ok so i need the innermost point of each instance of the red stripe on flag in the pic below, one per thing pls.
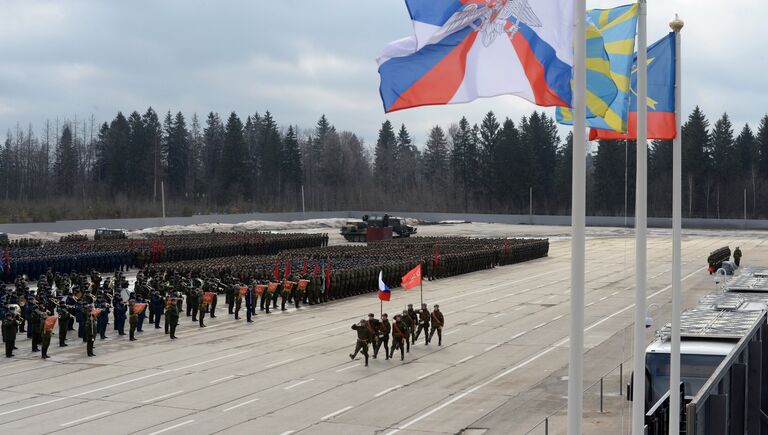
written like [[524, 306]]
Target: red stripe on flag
[[440, 84], [535, 72], [661, 126]]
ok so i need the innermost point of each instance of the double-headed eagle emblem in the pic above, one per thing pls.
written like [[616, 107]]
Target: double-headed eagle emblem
[[495, 18]]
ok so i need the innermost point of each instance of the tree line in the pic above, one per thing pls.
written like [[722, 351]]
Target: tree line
[[121, 168]]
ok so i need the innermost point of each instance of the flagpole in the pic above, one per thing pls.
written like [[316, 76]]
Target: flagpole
[[641, 224], [578, 243], [677, 232]]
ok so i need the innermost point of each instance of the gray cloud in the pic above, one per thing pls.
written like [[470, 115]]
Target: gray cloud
[[299, 59]]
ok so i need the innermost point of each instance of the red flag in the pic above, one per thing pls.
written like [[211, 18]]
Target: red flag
[[138, 308], [506, 246], [288, 268], [304, 267], [437, 257], [316, 272], [276, 273], [328, 273], [50, 322], [412, 278]]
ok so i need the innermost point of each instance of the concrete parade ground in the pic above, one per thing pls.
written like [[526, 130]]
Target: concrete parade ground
[[502, 368]]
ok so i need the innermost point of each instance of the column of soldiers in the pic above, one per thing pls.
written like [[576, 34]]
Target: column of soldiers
[[404, 329]]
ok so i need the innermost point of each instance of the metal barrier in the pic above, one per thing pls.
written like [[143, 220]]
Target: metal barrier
[[735, 398], [657, 418]]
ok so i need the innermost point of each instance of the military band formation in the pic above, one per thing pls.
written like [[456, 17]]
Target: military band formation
[[300, 270]]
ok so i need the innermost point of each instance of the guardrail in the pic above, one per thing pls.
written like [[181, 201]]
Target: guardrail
[[595, 396], [657, 418], [735, 398]]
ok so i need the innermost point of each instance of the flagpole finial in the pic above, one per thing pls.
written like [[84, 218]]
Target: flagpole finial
[[676, 24]]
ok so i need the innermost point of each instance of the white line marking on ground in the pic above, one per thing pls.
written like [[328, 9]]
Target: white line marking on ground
[[107, 387], [69, 423], [381, 393], [163, 396], [499, 315], [451, 332], [556, 318], [589, 304], [615, 293], [347, 368], [464, 359], [298, 383], [471, 306], [279, 363], [492, 347], [478, 322], [334, 414], [288, 432], [426, 375], [519, 308], [518, 335], [221, 379], [539, 325], [173, 427], [522, 364], [241, 404], [603, 298]]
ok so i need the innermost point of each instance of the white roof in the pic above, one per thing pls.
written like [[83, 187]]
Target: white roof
[[694, 347]]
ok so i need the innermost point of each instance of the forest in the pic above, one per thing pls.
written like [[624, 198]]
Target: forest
[[78, 169]]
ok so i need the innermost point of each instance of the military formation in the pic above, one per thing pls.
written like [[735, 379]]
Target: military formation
[[404, 329], [266, 274], [30, 257]]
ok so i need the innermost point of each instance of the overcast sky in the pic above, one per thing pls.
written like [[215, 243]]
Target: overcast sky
[[300, 59]]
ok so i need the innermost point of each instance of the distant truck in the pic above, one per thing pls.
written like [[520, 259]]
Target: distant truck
[[357, 231], [109, 234]]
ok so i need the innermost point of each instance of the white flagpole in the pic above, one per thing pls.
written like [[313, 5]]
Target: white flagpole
[[641, 224], [578, 244], [677, 232]]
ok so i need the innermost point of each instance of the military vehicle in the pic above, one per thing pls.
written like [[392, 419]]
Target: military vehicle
[[109, 234], [356, 231], [4, 241]]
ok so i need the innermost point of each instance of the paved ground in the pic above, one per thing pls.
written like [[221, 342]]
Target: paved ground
[[501, 368]]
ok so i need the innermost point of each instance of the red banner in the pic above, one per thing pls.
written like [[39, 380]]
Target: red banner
[[138, 308], [208, 298], [259, 289], [50, 322], [288, 268], [287, 286], [243, 291], [276, 272], [303, 283], [412, 278], [272, 287]]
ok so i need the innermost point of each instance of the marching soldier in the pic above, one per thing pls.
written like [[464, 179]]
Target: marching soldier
[[409, 329], [437, 322], [90, 330], [202, 308], [214, 300], [10, 328], [172, 319], [383, 337], [424, 317], [156, 305], [133, 320], [286, 293], [399, 335], [238, 302], [373, 328], [737, 256], [64, 318], [414, 322], [363, 337], [34, 327], [193, 302], [45, 334], [230, 297], [249, 304]]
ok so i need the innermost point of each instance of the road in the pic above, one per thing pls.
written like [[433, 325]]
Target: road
[[500, 370]]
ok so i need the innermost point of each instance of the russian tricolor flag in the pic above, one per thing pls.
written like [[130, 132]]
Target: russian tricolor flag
[[384, 293]]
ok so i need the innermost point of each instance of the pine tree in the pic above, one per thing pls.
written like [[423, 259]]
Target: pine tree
[[435, 161], [291, 166], [151, 169], [696, 162], [176, 153], [406, 164], [723, 158], [65, 167], [213, 145], [490, 170], [762, 146], [233, 169], [385, 157]]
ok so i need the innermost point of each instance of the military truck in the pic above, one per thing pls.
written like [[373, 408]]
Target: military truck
[[356, 231], [109, 234]]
